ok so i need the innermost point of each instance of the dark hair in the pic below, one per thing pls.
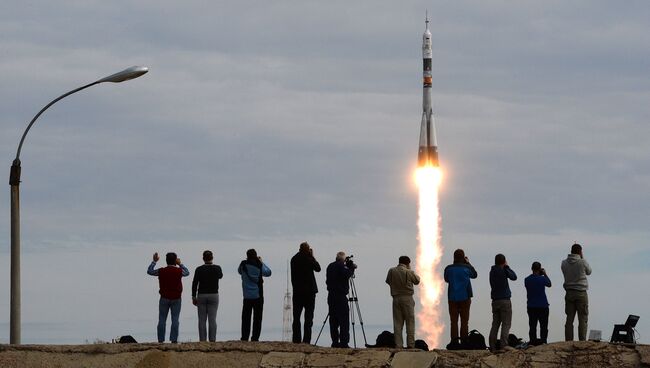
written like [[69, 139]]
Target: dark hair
[[404, 260], [207, 256], [251, 254], [536, 266], [304, 246], [576, 248], [459, 256], [171, 258], [499, 259]]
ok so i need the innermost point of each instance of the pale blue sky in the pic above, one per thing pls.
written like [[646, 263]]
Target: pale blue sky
[[264, 124]]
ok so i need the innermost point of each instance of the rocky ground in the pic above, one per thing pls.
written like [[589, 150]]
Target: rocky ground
[[277, 354]]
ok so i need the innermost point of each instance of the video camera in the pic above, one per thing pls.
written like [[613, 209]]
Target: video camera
[[349, 262]]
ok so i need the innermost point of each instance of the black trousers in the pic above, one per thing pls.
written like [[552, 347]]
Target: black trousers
[[254, 306], [339, 315], [538, 315], [308, 303]]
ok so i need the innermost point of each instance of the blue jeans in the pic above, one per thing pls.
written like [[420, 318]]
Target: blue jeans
[[164, 305]]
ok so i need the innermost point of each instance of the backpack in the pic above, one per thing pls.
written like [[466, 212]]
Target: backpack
[[127, 339], [455, 345], [475, 341], [386, 339], [514, 341], [421, 344]]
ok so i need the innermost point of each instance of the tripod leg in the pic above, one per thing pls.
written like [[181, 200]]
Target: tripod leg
[[353, 288], [351, 308], [321, 329]]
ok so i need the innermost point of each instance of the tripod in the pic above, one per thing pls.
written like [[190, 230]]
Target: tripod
[[353, 301]]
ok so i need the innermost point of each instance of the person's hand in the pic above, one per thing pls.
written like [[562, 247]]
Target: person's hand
[[178, 261], [581, 255], [155, 257], [259, 258], [194, 301], [466, 260], [311, 251], [505, 264], [542, 271]]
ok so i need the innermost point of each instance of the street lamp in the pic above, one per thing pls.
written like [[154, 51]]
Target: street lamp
[[14, 182]]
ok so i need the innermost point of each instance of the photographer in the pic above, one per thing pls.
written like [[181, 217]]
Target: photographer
[[401, 280], [537, 303], [337, 279], [303, 266], [252, 269], [459, 295], [575, 269]]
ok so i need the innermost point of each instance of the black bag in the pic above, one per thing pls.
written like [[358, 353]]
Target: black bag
[[127, 339], [421, 344], [386, 339], [475, 341], [455, 345], [514, 341]]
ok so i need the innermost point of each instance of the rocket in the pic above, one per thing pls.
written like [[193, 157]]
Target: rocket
[[428, 150]]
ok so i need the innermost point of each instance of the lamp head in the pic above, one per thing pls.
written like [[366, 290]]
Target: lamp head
[[126, 74]]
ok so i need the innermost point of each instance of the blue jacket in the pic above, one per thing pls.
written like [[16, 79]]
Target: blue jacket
[[251, 278], [535, 290], [499, 282], [457, 275]]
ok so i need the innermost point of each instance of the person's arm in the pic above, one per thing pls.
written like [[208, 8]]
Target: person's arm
[[185, 272], [472, 272], [219, 273], [587, 267], [510, 273], [239, 268], [315, 265], [195, 283], [415, 279], [446, 276], [266, 272], [548, 281], [151, 271], [388, 277]]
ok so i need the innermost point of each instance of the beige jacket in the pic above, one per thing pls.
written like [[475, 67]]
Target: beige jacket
[[401, 280]]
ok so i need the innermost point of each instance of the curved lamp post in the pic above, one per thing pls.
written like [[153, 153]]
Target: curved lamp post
[[14, 182]]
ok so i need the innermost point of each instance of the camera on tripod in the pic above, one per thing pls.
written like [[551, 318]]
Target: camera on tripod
[[349, 263]]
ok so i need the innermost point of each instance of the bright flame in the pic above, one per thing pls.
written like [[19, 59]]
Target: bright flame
[[428, 180]]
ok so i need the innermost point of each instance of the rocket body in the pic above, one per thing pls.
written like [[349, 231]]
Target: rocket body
[[428, 149]]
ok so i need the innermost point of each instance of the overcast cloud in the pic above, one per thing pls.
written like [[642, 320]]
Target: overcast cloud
[[266, 123]]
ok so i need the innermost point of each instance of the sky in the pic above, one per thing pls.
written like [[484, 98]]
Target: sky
[[262, 124]]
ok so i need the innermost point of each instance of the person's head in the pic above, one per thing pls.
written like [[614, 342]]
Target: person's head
[[405, 260], [304, 247], [499, 259], [207, 256], [251, 254], [536, 267], [459, 256], [171, 258], [340, 256], [576, 248]]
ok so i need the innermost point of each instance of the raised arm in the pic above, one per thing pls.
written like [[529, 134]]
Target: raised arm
[[151, 271]]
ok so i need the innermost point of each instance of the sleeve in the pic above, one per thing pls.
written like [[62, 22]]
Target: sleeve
[[219, 273], [388, 277], [316, 265], [195, 283], [472, 272], [415, 279], [587, 267], [548, 281], [446, 275], [151, 271], [266, 272], [185, 271], [239, 268], [510, 273]]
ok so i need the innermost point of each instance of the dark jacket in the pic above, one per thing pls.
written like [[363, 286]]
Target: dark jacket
[[206, 279], [458, 276], [499, 282], [536, 290], [303, 265], [337, 276]]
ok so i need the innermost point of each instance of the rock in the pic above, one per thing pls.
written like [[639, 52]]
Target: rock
[[414, 359], [282, 359]]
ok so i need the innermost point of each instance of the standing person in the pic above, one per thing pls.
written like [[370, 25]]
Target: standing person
[[171, 288], [337, 279], [205, 295], [401, 280], [303, 266], [501, 306], [576, 269], [537, 304], [459, 294], [252, 269]]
